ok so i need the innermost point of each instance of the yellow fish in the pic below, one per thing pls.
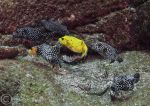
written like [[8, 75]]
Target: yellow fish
[[74, 44]]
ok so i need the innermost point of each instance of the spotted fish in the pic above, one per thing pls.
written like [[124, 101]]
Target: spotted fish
[[50, 53], [124, 82], [120, 83], [105, 50], [30, 33]]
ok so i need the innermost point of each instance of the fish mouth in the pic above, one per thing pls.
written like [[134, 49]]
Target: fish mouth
[[60, 40]]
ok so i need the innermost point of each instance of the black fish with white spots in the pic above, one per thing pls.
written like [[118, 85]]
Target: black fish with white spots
[[50, 53], [105, 50], [124, 82], [31, 33], [120, 83]]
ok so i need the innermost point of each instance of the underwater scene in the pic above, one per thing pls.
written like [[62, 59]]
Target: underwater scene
[[74, 52]]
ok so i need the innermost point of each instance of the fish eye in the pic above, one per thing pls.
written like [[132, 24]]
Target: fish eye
[[62, 38]]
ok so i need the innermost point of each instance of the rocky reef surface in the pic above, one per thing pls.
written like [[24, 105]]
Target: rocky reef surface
[[124, 23], [34, 82]]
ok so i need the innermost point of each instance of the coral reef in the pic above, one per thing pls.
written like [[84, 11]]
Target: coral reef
[[142, 25], [73, 13], [116, 18]]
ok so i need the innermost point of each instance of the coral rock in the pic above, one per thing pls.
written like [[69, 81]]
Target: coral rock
[[8, 52]]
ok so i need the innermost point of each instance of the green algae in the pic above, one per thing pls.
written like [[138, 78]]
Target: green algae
[[33, 84]]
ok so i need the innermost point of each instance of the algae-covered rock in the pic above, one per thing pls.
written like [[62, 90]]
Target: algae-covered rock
[[96, 75], [36, 84], [9, 82]]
